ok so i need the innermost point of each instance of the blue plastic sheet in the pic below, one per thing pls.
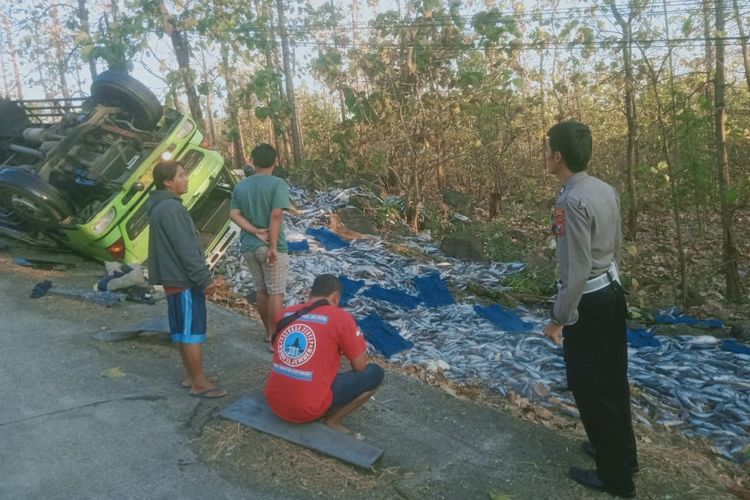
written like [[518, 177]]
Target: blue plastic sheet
[[349, 287], [327, 238], [433, 290], [732, 345], [640, 337], [673, 316], [504, 318], [393, 296], [298, 246], [383, 336]]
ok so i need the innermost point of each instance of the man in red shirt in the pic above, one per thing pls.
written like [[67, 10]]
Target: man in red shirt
[[305, 383]]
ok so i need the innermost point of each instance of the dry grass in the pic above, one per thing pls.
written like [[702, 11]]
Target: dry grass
[[221, 294], [245, 453]]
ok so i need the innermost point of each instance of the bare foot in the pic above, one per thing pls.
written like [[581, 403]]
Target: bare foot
[[336, 425]]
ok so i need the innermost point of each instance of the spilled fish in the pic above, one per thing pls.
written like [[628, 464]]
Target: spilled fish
[[686, 383]]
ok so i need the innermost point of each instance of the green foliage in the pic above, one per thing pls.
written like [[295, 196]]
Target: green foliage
[[538, 280], [500, 246]]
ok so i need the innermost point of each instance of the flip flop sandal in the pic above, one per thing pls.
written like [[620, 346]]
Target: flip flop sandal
[[213, 393], [213, 379]]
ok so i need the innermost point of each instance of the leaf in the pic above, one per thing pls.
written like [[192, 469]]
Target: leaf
[[632, 250], [497, 496], [115, 372]]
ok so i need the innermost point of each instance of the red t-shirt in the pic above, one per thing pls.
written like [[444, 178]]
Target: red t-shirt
[[307, 360]]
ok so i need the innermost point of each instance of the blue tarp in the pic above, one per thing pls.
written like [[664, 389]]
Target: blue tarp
[[383, 336], [732, 345], [640, 337], [349, 287], [673, 316], [393, 296], [298, 246], [504, 318], [327, 238], [433, 290]]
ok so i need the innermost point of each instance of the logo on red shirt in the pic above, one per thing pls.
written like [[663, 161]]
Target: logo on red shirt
[[297, 344]]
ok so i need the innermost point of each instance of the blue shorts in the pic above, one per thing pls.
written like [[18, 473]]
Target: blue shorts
[[348, 386], [187, 316]]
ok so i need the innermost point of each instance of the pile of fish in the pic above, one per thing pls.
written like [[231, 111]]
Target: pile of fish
[[686, 383]]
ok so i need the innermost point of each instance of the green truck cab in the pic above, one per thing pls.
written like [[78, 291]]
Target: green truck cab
[[83, 178]]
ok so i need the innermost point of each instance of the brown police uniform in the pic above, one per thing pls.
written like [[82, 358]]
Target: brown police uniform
[[591, 306]]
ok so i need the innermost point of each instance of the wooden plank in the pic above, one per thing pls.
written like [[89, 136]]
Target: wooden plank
[[255, 413]]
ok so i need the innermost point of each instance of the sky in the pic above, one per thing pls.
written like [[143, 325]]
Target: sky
[[147, 67]]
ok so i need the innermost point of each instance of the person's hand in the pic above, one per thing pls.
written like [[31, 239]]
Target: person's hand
[[262, 235], [553, 331], [271, 256]]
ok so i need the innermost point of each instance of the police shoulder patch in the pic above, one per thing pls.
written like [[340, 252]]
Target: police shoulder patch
[[558, 222]]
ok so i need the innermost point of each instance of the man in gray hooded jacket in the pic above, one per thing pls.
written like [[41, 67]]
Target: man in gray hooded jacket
[[177, 262]]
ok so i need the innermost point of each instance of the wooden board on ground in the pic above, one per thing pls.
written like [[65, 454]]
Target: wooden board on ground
[[156, 325], [254, 412]]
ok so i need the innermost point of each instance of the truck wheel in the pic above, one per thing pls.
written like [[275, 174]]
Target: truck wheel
[[36, 202], [124, 91]]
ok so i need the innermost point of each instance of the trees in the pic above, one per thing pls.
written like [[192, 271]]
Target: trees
[[440, 94]]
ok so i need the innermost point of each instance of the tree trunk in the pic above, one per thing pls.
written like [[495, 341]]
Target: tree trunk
[[743, 42], [235, 132], [673, 162], [83, 17], [630, 114], [13, 57], [729, 250], [182, 54], [209, 106], [61, 63], [278, 139], [672, 172], [543, 116], [6, 87], [287, 61], [709, 50], [340, 80], [496, 203]]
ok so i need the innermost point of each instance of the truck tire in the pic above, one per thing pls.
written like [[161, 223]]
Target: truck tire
[[127, 93], [38, 203], [13, 119]]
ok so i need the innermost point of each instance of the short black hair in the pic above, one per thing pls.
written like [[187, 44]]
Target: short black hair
[[572, 140], [164, 171], [264, 156], [324, 285]]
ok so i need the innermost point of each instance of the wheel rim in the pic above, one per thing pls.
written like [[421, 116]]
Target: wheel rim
[[26, 208]]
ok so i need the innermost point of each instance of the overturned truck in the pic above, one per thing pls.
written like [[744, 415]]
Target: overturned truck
[[77, 172]]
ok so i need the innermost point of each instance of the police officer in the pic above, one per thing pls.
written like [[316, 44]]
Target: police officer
[[590, 310]]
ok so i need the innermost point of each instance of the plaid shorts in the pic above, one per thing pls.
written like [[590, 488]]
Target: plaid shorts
[[270, 279]]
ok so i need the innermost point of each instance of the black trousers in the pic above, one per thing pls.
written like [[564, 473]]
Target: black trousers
[[596, 361]]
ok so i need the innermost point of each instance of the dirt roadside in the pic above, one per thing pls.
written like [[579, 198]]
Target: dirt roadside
[[70, 430]]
